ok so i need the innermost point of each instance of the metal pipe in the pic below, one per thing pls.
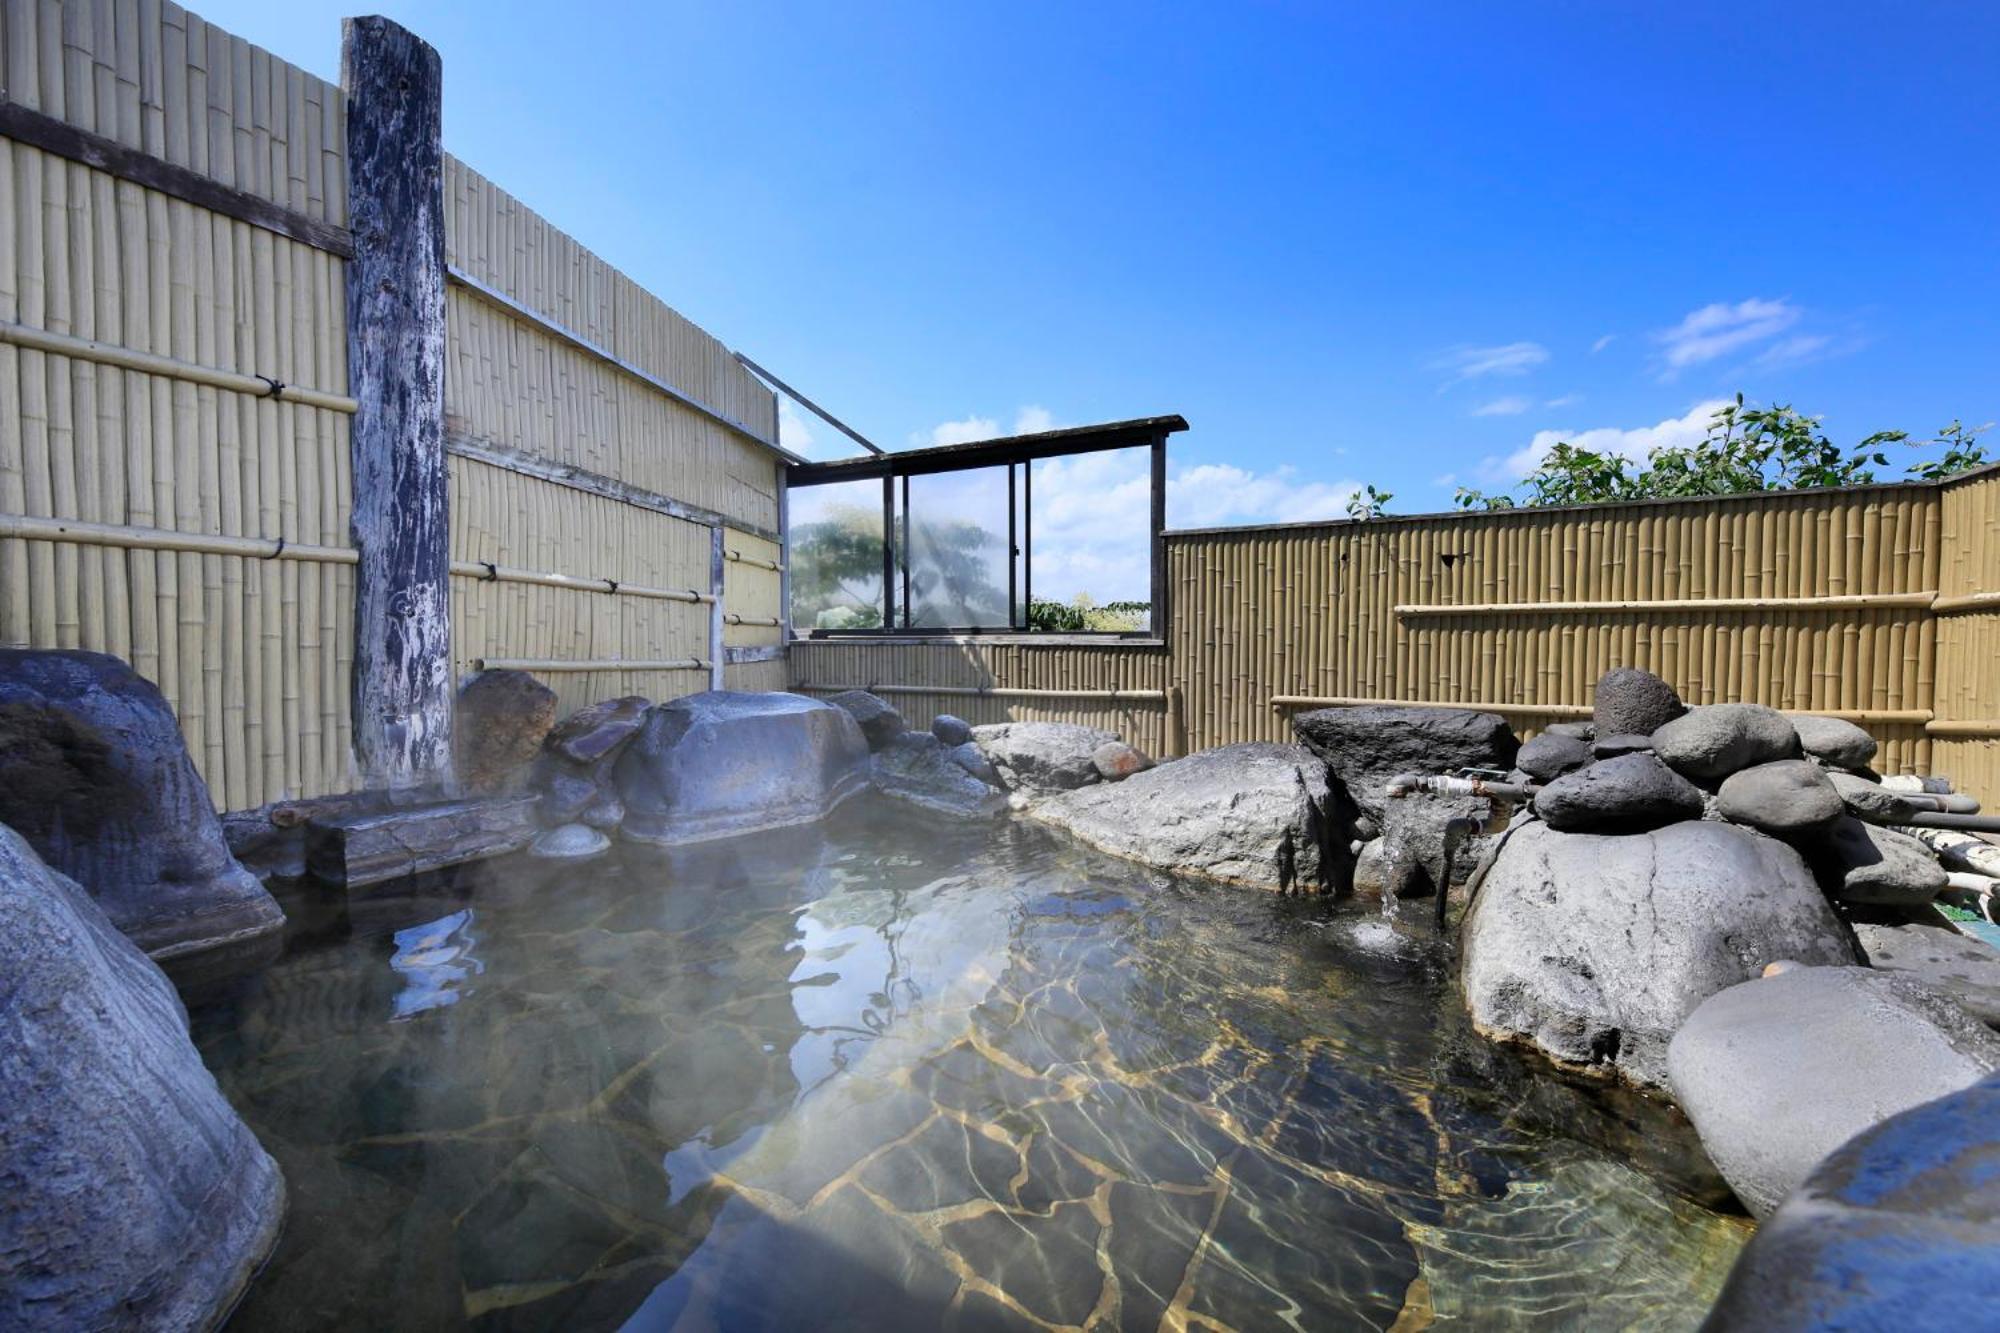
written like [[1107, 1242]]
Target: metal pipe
[[1964, 823], [1409, 784]]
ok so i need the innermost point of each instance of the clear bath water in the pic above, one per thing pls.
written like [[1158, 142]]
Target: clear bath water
[[893, 1072]]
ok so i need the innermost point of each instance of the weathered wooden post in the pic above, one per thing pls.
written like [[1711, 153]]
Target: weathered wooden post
[[395, 357]]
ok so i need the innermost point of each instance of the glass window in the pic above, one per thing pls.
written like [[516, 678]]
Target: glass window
[[1092, 547], [836, 556], [956, 546]]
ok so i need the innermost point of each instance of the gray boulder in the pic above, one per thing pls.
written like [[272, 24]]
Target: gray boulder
[[1038, 757], [950, 730], [974, 761], [565, 791], [1249, 814], [95, 775], [1835, 741], [723, 763], [595, 733], [1582, 731], [1115, 761], [880, 722], [1867, 864], [1610, 747], [1631, 702], [1629, 794], [1788, 799], [131, 1195], [1364, 747], [1711, 742], [1899, 1228], [1927, 946], [916, 767], [499, 721], [569, 842], [1594, 948], [1778, 1072], [1552, 754], [1870, 801], [1413, 842], [1371, 869]]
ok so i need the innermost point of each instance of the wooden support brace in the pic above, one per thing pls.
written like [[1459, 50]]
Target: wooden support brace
[[717, 566], [396, 349]]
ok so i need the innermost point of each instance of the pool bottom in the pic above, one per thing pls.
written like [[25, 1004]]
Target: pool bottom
[[893, 1072]]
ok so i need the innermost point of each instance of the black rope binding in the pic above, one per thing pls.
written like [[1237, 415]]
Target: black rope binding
[[277, 386], [280, 550], [492, 572]]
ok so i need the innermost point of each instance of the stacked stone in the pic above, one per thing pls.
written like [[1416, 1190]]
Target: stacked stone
[[575, 776]]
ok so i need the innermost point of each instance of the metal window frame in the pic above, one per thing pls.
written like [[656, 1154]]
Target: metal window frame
[[1011, 452]]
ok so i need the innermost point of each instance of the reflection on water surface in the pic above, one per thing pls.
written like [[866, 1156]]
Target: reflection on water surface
[[892, 1073]]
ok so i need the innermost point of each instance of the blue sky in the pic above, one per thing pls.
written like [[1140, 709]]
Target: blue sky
[[1384, 243]]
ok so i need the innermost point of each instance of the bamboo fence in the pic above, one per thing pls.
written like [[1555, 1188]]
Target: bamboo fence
[[162, 500], [1966, 737]]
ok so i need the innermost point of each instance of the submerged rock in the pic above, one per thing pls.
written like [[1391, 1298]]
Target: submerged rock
[[951, 730], [1631, 702], [498, 723], [1788, 799], [1365, 747], [1777, 1072], [1038, 757], [1835, 741], [1250, 814], [1862, 863], [1628, 794], [916, 767], [95, 775], [131, 1195], [569, 842], [723, 763], [1898, 1228], [880, 722], [1595, 947], [1930, 949], [1711, 742]]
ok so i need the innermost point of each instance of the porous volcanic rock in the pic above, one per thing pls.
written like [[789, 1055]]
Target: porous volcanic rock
[[1835, 741], [1899, 1228], [1631, 702], [133, 1195], [1711, 742], [1116, 761], [1868, 864], [1364, 747], [1552, 754], [1779, 1071], [880, 722], [1628, 794], [1254, 813], [918, 768], [95, 775], [498, 724], [1595, 947], [951, 730], [1788, 799], [722, 763], [1039, 757]]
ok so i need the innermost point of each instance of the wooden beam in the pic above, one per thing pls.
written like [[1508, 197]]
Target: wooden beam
[[824, 415], [993, 453], [27, 126], [762, 652], [718, 568], [1156, 538], [395, 357]]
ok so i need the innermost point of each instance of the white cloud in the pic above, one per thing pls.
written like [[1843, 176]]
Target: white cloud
[[1467, 363], [1564, 401], [793, 433], [1032, 420], [972, 428], [1511, 406], [1603, 343], [1635, 444], [1718, 329], [1796, 350]]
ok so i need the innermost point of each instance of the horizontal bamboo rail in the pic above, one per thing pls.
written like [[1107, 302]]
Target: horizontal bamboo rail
[[994, 692], [488, 573], [1969, 730], [733, 619], [1978, 601], [752, 561], [1858, 601], [161, 539], [602, 664], [149, 363], [1910, 716]]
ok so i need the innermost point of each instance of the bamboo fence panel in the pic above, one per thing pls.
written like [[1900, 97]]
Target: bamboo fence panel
[[516, 385], [506, 518], [1007, 664], [1968, 639], [750, 591], [254, 654]]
